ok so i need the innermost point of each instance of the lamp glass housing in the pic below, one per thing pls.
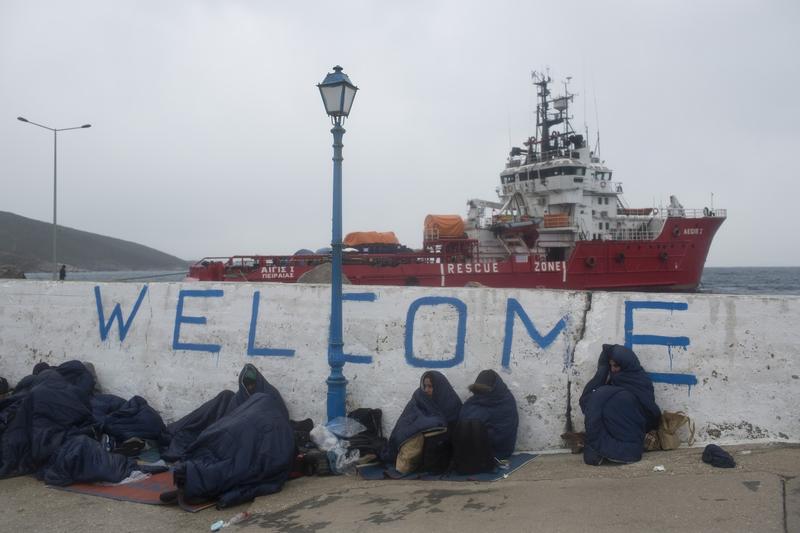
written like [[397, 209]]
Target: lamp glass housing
[[337, 93]]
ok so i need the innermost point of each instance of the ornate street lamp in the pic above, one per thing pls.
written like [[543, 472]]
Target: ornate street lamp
[[55, 167], [337, 93]]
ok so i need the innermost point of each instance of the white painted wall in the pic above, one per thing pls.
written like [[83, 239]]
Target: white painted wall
[[741, 349], [744, 351]]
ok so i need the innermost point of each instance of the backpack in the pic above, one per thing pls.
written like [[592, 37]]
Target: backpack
[[302, 432], [370, 418], [371, 440], [366, 444], [437, 452], [472, 451]]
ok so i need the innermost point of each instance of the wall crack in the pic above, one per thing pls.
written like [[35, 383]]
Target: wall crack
[[569, 426]]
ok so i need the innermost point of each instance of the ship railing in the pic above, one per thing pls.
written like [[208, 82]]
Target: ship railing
[[604, 185], [434, 255], [630, 235], [680, 212]]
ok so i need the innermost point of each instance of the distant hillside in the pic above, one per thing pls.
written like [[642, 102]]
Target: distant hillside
[[28, 245]]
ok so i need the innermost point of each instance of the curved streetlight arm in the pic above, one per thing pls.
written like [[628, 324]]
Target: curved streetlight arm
[[23, 119], [74, 128]]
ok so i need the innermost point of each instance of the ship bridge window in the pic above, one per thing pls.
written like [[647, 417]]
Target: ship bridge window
[[507, 179], [562, 171], [523, 176]]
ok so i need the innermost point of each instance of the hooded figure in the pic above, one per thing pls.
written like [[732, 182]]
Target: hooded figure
[[36, 421], [494, 405], [76, 373], [619, 407], [424, 412], [247, 453], [185, 430]]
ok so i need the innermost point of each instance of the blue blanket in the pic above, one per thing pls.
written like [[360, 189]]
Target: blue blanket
[[497, 409], [619, 408], [48, 427], [424, 413], [246, 454], [183, 432], [36, 421], [127, 419]]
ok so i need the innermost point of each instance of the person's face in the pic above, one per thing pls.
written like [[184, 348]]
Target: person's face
[[427, 386], [614, 366]]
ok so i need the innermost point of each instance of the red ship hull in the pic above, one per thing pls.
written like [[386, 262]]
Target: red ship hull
[[671, 262]]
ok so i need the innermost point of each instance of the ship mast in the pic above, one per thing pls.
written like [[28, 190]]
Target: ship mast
[[542, 125], [545, 121]]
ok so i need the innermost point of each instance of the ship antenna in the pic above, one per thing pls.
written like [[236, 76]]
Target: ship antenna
[[508, 122], [585, 113], [597, 121]]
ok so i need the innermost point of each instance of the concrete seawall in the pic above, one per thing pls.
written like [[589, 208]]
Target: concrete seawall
[[730, 362]]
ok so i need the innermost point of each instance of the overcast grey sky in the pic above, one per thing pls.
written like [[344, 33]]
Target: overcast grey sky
[[209, 137]]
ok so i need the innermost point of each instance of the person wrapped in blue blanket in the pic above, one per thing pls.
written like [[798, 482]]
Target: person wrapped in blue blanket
[[493, 405], [48, 427], [37, 419], [619, 408], [434, 407], [247, 452], [184, 431]]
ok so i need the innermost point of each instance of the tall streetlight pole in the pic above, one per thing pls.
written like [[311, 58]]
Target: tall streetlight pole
[[55, 180], [337, 94]]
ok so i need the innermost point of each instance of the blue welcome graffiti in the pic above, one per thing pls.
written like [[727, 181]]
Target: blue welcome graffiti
[[448, 306], [658, 340]]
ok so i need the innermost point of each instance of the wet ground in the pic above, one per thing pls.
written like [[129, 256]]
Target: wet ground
[[552, 493]]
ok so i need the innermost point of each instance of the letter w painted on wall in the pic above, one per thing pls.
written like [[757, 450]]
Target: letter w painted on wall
[[514, 309], [116, 314]]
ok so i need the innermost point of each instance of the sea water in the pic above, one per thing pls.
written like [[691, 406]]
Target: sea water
[[751, 280]]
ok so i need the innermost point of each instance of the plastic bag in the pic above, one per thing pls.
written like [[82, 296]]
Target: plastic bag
[[323, 438], [345, 427], [668, 428], [341, 460]]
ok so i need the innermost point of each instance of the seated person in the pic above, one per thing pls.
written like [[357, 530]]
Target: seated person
[[619, 408], [433, 408], [188, 428], [491, 411]]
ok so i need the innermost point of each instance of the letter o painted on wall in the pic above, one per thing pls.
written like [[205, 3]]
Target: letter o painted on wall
[[461, 332]]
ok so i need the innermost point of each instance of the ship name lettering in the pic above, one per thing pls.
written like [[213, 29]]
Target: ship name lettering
[[473, 268], [277, 272], [692, 231], [549, 266]]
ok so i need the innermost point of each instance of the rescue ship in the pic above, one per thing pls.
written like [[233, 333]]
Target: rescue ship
[[560, 222]]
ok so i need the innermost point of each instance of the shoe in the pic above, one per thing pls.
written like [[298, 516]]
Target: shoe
[[575, 441], [131, 447], [170, 497]]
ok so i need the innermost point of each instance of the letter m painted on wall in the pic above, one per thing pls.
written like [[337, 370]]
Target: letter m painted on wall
[[514, 309], [116, 314]]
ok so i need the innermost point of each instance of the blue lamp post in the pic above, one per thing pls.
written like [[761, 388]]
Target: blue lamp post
[[337, 93]]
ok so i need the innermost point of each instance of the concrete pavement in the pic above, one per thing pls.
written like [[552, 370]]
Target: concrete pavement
[[552, 493]]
